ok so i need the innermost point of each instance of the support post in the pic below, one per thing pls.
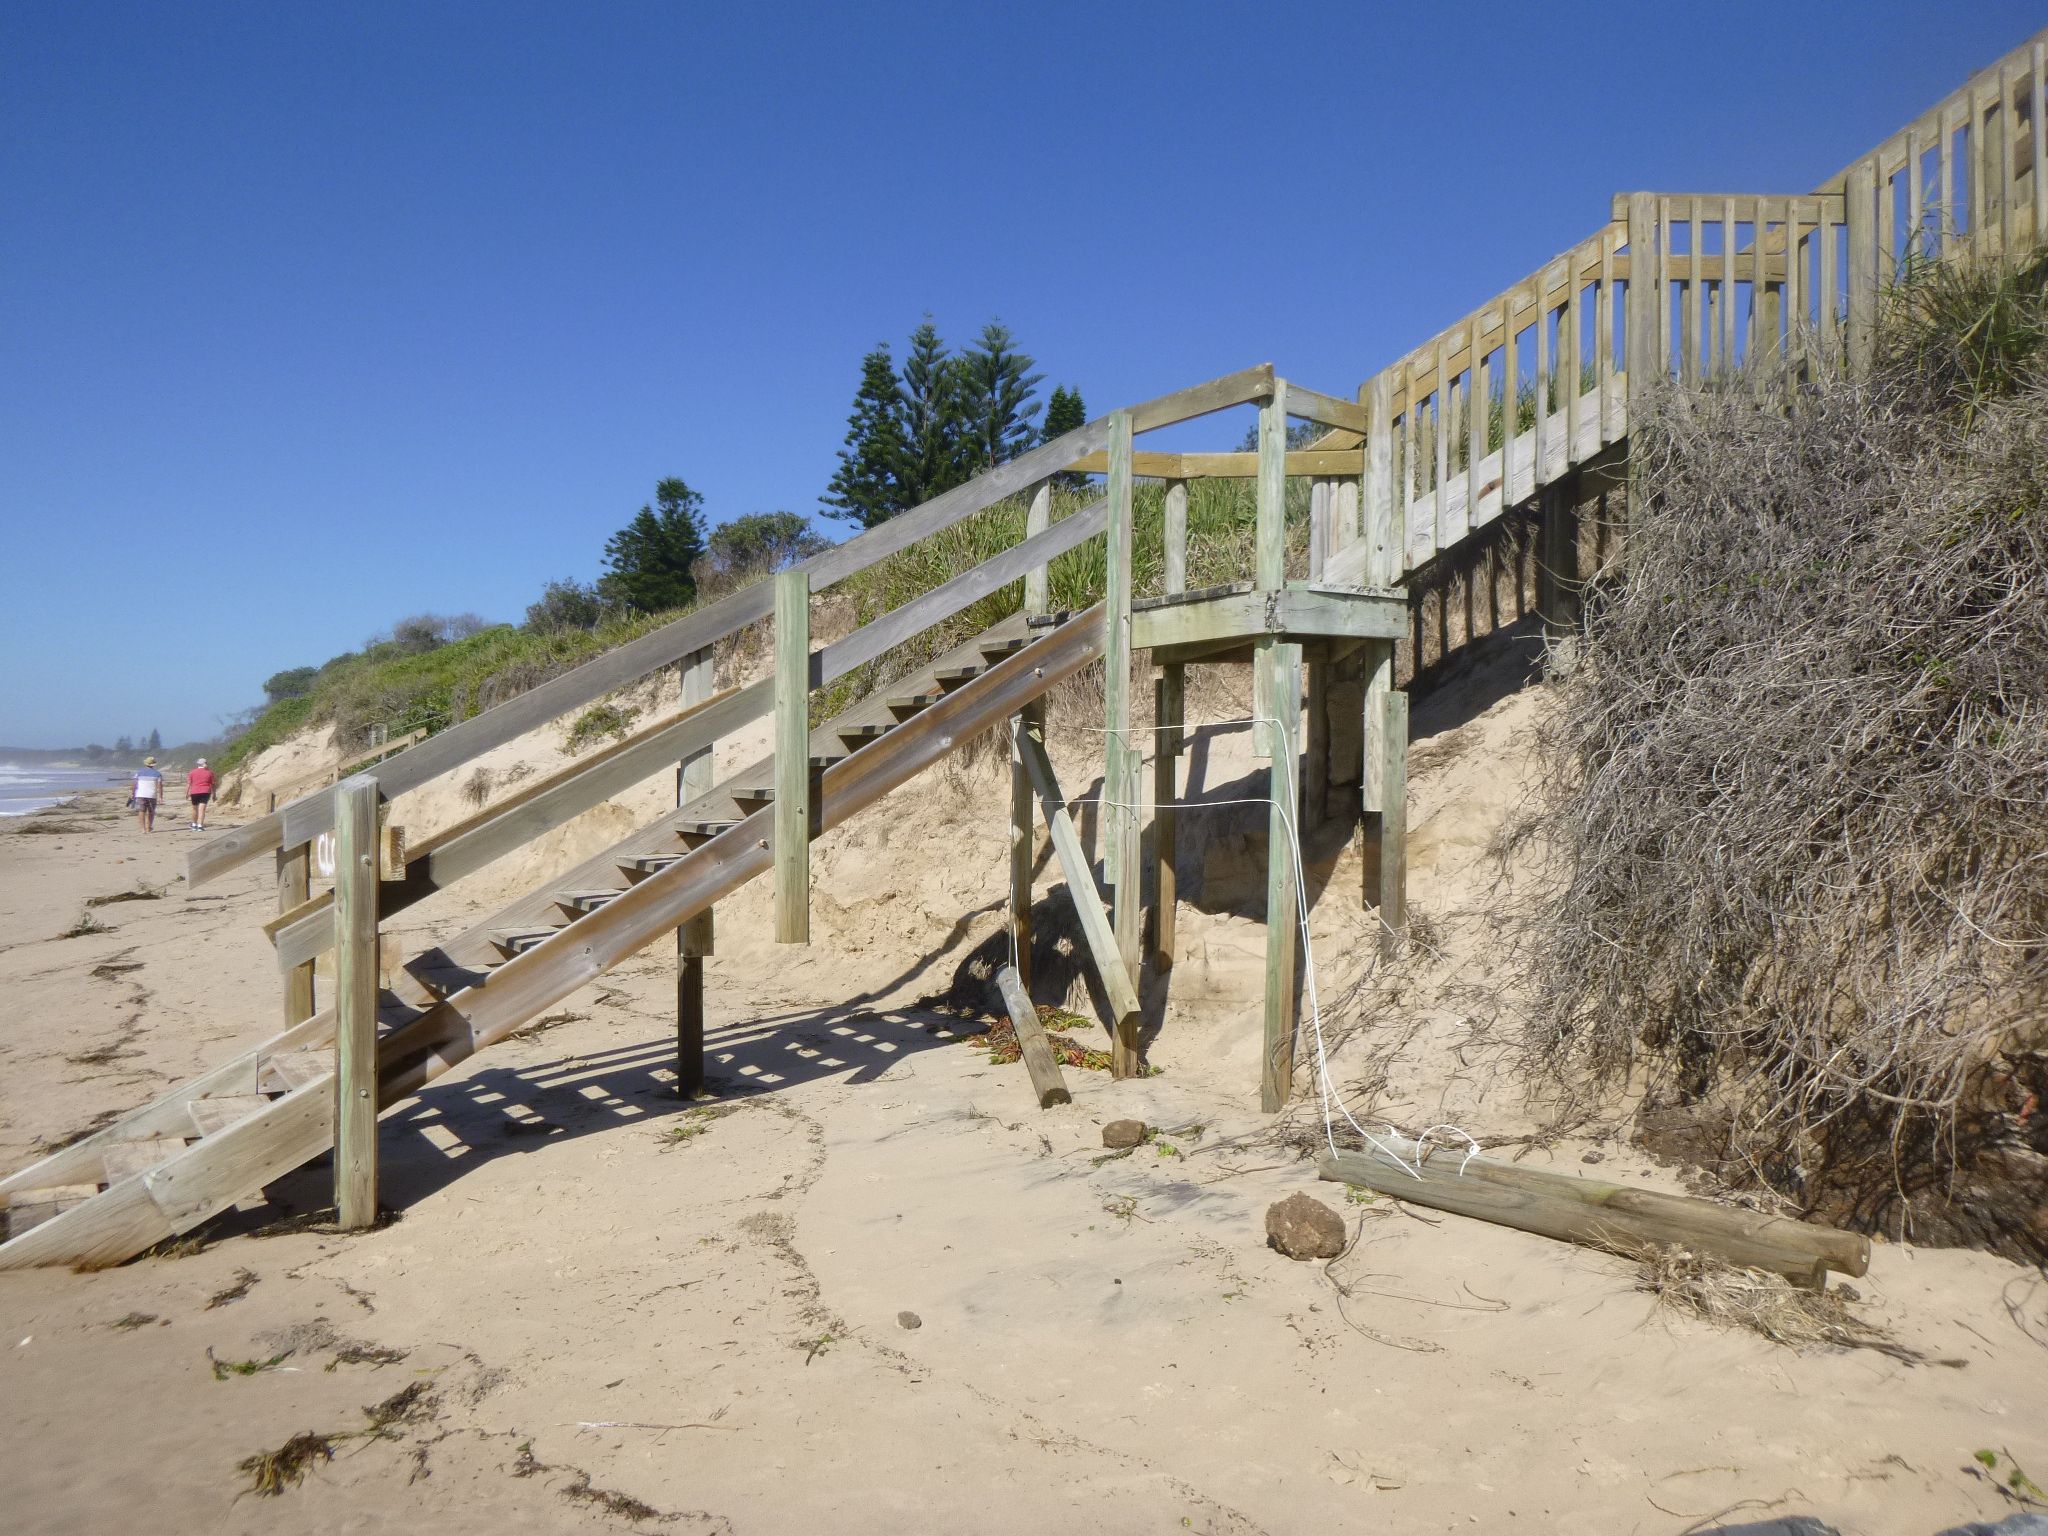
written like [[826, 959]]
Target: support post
[[1130, 900], [1037, 597], [1393, 819], [1023, 841], [1383, 531], [294, 888], [1176, 536], [1645, 291], [1116, 647], [1047, 1081], [695, 776], [1271, 532], [1170, 709], [793, 756], [355, 1002], [1282, 662], [1557, 566], [1860, 203]]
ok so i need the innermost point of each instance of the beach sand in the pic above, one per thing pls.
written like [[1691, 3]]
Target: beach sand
[[871, 1286]]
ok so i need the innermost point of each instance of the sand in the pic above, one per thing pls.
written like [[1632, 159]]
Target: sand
[[871, 1286]]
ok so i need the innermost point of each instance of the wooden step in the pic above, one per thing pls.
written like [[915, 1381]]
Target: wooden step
[[996, 650], [517, 941], [222, 1110], [32, 1207], [292, 1069], [858, 736], [950, 678], [127, 1157], [706, 829], [903, 706], [576, 903], [640, 866], [1049, 620]]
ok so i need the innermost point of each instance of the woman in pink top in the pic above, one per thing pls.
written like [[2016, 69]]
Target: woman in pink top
[[199, 785]]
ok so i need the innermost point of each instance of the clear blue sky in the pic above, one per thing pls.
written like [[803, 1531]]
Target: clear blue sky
[[318, 315]]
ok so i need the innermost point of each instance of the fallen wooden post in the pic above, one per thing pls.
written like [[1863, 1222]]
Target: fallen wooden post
[[1039, 1059], [1592, 1211]]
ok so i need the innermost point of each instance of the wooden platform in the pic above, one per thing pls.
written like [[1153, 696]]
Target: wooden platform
[[1226, 623]]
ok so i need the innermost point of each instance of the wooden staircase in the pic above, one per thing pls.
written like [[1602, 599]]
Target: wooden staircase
[[218, 1139]]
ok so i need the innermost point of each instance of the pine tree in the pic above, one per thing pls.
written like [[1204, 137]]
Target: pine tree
[[648, 561], [937, 454], [1063, 413], [999, 388], [866, 489], [155, 742]]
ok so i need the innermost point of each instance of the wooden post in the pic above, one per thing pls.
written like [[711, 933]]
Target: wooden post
[[1170, 710], [695, 776], [1318, 526], [793, 756], [1176, 536], [1557, 568], [1393, 819], [1645, 292], [1023, 841], [1046, 1079], [1037, 598], [355, 1002], [1130, 883], [294, 888], [1271, 532], [1116, 647], [1383, 531], [1283, 664], [1860, 201]]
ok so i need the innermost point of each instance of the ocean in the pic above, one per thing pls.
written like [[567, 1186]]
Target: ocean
[[30, 788]]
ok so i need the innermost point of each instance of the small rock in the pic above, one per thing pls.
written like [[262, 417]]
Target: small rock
[[1592, 1157], [909, 1320], [1304, 1228], [1848, 1293], [1124, 1133]]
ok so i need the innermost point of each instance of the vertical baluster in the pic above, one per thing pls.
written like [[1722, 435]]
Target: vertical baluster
[[2008, 164], [1887, 234], [1728, 287], [1475, 419], [1946, 159], [1510, 406], [1383, 528], [1571, 360], [1603, 336], [1440, 425], [1980, 161], [1540, 458], [1408, 490], [2039, 83], [1860, 211], [1916, 198], [1696, 307], [1795, 287], [1829, 318], [1664, 281]]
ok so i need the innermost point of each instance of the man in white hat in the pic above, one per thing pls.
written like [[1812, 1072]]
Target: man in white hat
[[149, 788], [199, 785]]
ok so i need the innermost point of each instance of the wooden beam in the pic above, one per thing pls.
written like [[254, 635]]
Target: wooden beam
[[1170, 713], [1227, 466], [294, 884], [792, 757], [1023, 839], [1037, 519], [1216, 395], [1297, 612], [355, 1003], [1176, 535], [1862, 215], [1047, 1081], [1116, 650], [695, 940], [1325, 410], [1595, 1212], [1393, 790], [1283, 664], [1118, 985]]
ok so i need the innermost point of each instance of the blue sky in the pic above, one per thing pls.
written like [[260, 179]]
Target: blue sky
[[316, 316]]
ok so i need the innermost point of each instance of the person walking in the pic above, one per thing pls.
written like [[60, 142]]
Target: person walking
[[199, 785], [149, 788]]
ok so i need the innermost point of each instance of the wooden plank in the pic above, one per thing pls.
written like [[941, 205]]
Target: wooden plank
[[1294, 612], [1570, 364], [1271, 551], [1593, 1211], [1276, 1077], [1037, 519], [1117, 984], [1203, 399], [294, 884], [1728, 287], [2038, 82], [1127, 917], [1170, 713], [1023, 841], [1669, 363], [1441, 428], [1644, 294], [1603, 341], [1695, 341], [1384, 533], [696, 939], [1862, 210], [1318, 527], [355, 1003], [1176, 535], [1046, 1079], [1116, 649], [1393, 820], [1326, 410], [1226, 466], [792, 757]]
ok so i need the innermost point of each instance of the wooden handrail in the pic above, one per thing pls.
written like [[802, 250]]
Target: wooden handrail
[[307, 817]]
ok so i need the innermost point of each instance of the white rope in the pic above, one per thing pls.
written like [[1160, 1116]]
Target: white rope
[[1332, 1102]]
